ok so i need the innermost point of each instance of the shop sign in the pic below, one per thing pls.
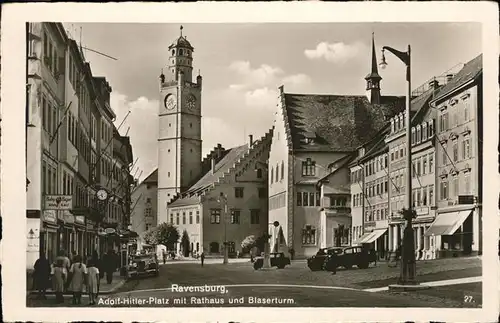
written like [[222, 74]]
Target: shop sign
[[58, 202], [33, 235], [80, 219], [49, 216], [109, 230], [68, 217]]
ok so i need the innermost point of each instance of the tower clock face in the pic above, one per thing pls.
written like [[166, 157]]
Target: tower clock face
[[170, 102], [191, 102]]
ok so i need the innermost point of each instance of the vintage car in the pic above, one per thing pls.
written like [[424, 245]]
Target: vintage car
[[277, 259], [317, 262], [349, 257], [143, 265]]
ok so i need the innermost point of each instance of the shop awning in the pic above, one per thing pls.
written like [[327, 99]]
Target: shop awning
[[375, 235], [447, 223], [361, 239]]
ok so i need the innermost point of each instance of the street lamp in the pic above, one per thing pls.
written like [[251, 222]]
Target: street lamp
[[408, 265], [223, 201]]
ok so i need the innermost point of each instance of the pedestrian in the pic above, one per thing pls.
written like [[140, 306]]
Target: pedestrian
[[109, 265], [202, 258], [41, 275], [59, 276], [292, 253], [93, 281], [164, 254], [78, 273], [66, 264], [332, 263]]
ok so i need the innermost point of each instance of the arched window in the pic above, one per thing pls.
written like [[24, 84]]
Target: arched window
[[181, 52], [173, 52], [282, 169], [277, 173], [272, 175]]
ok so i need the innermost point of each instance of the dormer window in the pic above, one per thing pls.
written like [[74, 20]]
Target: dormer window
[[424, 131], [392, 126], [309, 137], [361, 152]]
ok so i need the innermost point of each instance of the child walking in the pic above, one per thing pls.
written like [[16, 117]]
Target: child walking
[[92, 282]]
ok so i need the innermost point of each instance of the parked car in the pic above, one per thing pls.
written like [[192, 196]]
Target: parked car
[[348, 257], [143, 265], [278, 259], [317, 262]]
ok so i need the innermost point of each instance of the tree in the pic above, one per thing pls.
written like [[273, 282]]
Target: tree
[[248, 243], [185, 243], [151, 236], [167, 235]]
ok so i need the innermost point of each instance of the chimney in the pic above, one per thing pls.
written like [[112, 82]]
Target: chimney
[[251, 140], [434, 84], [213, 165], [449, 77]]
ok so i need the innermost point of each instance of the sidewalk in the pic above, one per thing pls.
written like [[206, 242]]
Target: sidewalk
[[104, 287], [208, 261]]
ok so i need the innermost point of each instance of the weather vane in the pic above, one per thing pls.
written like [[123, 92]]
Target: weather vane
[[181, 30]]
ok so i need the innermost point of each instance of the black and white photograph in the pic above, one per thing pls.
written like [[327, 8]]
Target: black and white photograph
[[186, 162]]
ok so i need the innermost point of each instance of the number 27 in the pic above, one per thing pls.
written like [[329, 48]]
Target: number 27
[[468, 299]]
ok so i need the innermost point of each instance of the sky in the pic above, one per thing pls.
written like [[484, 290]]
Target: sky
[[244, 64]]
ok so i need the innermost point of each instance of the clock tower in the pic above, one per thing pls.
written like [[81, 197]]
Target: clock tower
[[179, 138]]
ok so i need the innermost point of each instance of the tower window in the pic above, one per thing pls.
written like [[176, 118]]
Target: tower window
[[191, 150], [170, 125], [181, 52], [173, 52], [168, 174], [190, 125], [168, 150]]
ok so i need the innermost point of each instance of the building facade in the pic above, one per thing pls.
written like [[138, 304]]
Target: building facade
[[446, 223], [229, 203], [65, 115], [144, 204], [459, 132], [179, 140]]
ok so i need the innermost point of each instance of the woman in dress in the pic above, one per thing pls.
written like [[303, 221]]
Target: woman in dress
[[42, 275], [59, 279], [92, 282], [78, 272]]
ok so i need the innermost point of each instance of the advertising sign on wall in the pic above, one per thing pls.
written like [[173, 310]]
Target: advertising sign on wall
[[58, 202]]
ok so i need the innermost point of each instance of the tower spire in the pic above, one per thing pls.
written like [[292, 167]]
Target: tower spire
[[374, 56], [181, 29], [373, 78]]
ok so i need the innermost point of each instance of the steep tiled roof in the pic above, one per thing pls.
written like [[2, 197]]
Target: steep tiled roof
[[185, 201], [221, 168], [470, 71], [340, 122], [152, 178]]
